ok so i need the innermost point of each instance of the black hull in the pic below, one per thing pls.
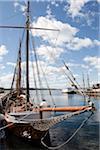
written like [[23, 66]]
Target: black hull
[[16, 132]]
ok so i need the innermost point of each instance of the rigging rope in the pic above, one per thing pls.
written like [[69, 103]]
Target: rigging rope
[[20, 45], [34, 77], [74, 80], [13, 122], [84, 88], [68, 140], [48, 86], [8, 125], [76, 85], [37, 66], [45, 124]]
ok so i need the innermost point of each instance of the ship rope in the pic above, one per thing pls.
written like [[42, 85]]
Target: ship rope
[[48, 87], [68, 140], [50, 93], [35, 83], [20, 45], [34, 76], [45, 124], [10, 124], [37, 67], [6, 126], [74, 81]]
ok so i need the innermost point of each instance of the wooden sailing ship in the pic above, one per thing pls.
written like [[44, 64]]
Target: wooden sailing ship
[[24, 119]]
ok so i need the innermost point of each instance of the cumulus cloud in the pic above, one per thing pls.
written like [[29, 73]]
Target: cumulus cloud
[[93, 61], [49, 53], [16, 4], [49, 12], [66, 31], [79, 43], [3, 51], [47, 68], [20, 6], [96, 42], [75, 7], [67, 36], [2, 66], [54, 2], [6, 80], [50, 71], [98, 1], [11, 64], [76, 10]]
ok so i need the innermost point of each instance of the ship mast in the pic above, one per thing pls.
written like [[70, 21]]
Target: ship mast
[[27, 27], [27, 54], [18, 84]]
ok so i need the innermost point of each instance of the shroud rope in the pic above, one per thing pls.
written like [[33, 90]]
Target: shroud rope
[[68, 140]]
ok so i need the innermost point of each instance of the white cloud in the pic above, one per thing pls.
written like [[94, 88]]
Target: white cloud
[[75, 7], [93, 61], [11, 64], [48, 69], [67, 32], [52, 77], [75, 66], [51, 73], [20, 6], [98, 1], [67, 36], [16, 4], [49, 53], [54, 2], [96, 42], [2, 66], [79, 43], [76, 10], [49, 12], [3, 51], [6, 80]]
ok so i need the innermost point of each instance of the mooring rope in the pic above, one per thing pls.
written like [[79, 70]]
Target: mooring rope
[[4, 127], [8, 125], [68, 140]]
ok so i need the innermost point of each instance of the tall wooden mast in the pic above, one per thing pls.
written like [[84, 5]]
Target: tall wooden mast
[[27, 54], [18, 84], [27, 27]]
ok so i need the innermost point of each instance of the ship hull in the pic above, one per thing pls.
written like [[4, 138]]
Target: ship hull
[[27, 133]]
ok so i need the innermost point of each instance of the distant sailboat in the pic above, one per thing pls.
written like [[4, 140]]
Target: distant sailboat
[[24, 118]]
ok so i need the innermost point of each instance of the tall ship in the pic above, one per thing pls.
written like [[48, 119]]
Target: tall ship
[[25, 118]]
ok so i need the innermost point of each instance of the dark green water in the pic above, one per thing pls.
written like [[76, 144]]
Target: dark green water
[[86, 139]]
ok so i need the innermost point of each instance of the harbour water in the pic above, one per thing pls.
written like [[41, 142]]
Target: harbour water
[[86, 139]]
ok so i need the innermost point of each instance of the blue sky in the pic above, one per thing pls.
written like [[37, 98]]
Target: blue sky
[[77, 42]]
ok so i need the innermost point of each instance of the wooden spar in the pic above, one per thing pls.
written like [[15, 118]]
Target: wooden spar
[[30, 27], [27, 54], [18, 84], [64, 109]]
